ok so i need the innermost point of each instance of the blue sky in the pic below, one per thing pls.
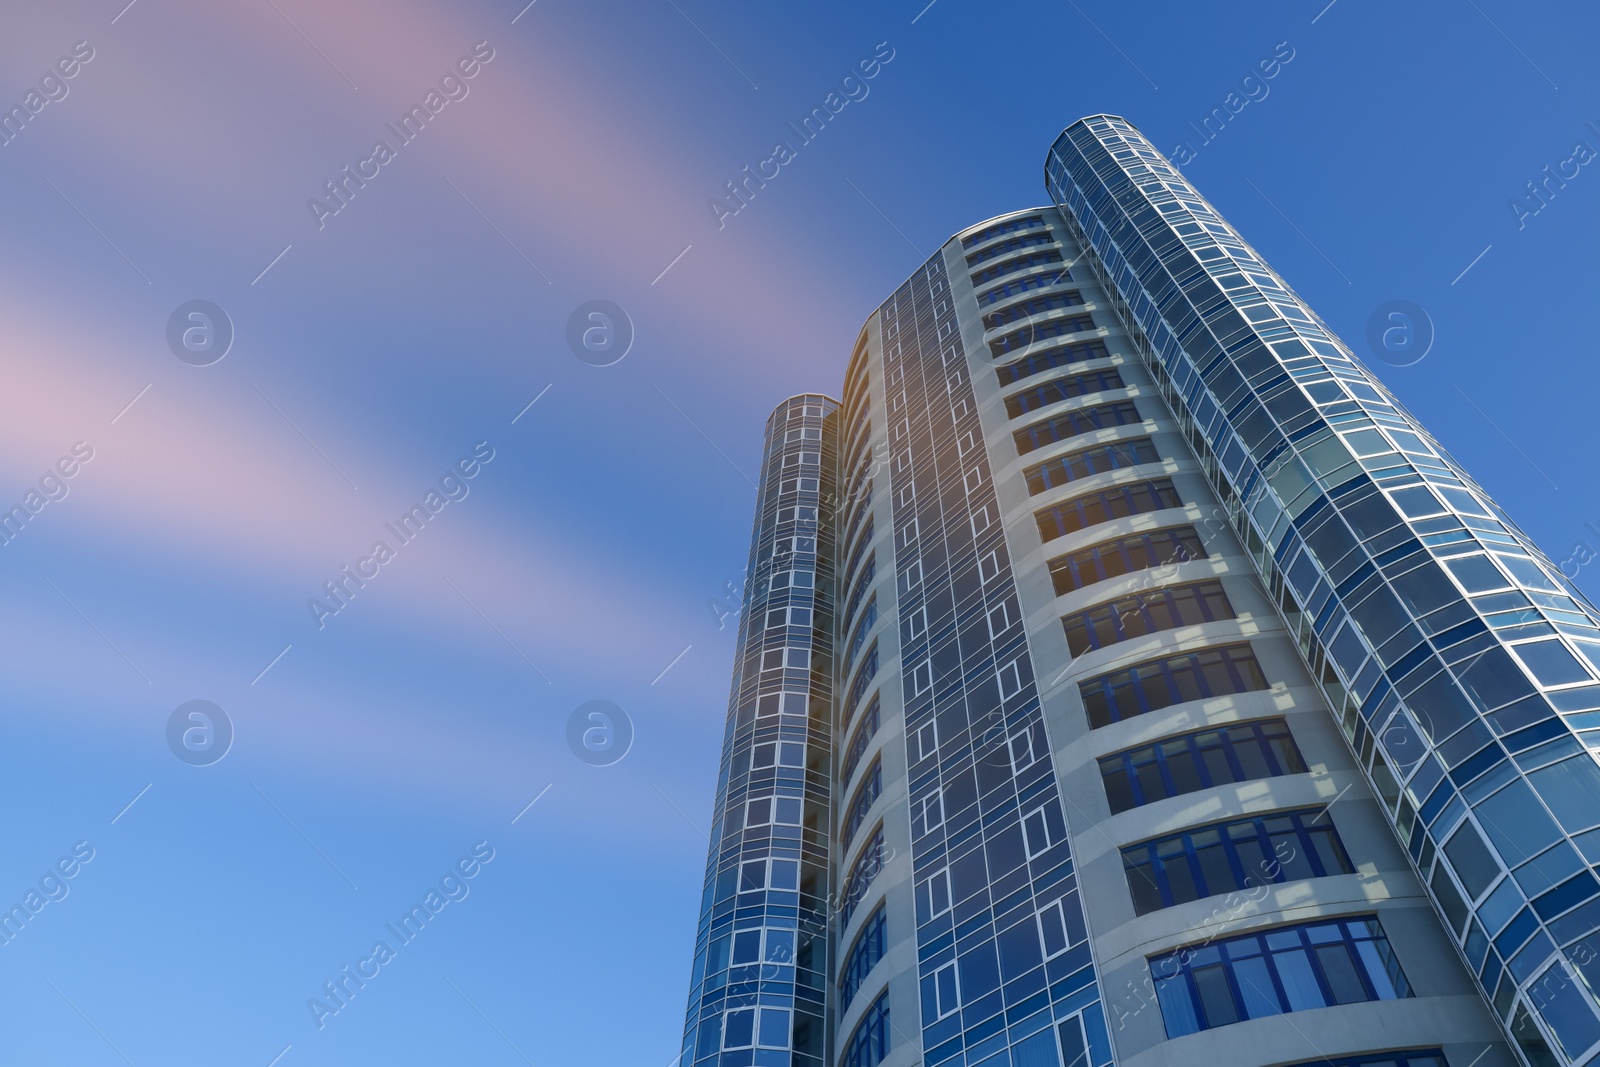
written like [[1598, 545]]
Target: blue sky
[[372, 353]]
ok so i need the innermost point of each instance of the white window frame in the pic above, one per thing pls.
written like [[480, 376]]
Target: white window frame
[[917, 623], [941, 877], [1027, 838], [922, 677], [1010, 673], [1025, 736], [942, 1011], [927, 739], [1058, 909], [1002, 609], [992, 560], [928, 808]]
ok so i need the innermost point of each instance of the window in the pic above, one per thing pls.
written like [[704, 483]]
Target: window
[[784, 874], [787, 703], [747, 946], [1037, 306], [778, 658], [741, 1029], [1032, 222], [1073, 423], [911, 577], [1000, 619], [1042, 828], [781, 811], [1051, 392], [917, 624], [922, 677], [927, 740], [1146, 613], [1163, 682], [1039, 331], [1193, 761], [869, 668], [1010, 679], [1292, 968], [1059, 356], [869, 1042], [861, 876], [861, 738], [1124, 555], [1241, 854], [1012, 266], [1092, 509], [784, 753], [1096, 460], [1424, 1058], [1020, 747], [933, 896], [862, 583], [927, 813], [941, 992], [868, 618], [865, 796], [863, 956], [1023, 285], [1058, 932], [1006, 247]]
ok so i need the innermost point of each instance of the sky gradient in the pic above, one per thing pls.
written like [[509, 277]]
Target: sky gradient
[[376, 347]]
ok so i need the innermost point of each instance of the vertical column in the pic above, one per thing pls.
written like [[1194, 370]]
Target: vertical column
[[1460, 666], [758, 992]]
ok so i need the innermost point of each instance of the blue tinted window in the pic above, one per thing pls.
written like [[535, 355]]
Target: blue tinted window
[[1146, 613], [1124, 555], [1059, 389], [1199, 760], [1027, 335], [863, 956], [869, 791], [1096, 460], [1172, 680], [1037, 306], [1293, 968], [869, 1043], [1059, 356], [1094, 508], [1234, 855]]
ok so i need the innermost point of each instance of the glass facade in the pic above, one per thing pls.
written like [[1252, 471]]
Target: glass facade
[[758, 995], [1124, 674], [1459, 663]]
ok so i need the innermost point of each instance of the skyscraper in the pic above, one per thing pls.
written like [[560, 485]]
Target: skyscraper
[[1126, 677]]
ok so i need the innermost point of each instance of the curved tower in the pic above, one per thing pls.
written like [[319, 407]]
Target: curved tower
[[759, 990], [1165, 694]]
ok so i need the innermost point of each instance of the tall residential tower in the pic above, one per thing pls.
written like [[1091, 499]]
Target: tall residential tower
[[1127, 678]]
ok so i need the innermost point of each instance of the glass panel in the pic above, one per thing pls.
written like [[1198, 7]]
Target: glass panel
[[1299, 980], [1256, 989], [1340, 971], [1177, 1006], [1216, 1000]]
